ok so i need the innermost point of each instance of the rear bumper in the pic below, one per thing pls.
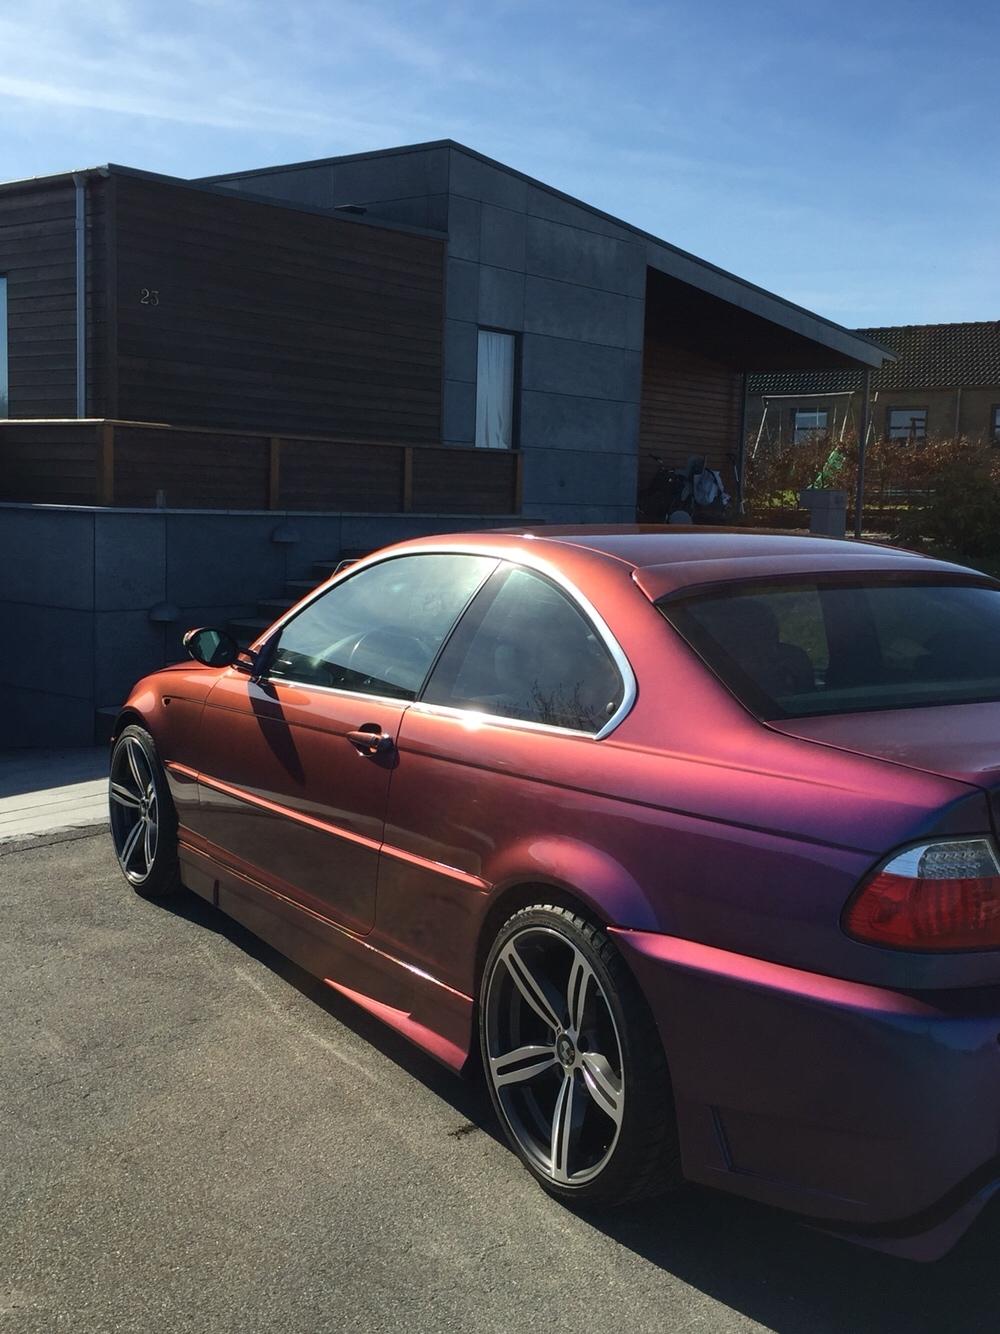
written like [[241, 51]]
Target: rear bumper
[[874, 1112]]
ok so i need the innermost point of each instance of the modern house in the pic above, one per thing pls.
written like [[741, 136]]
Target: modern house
[[944, 383], [209, 385]]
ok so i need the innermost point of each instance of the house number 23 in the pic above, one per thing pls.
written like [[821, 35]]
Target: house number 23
[[149, 296]]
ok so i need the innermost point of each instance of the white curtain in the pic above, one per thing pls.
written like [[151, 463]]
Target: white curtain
[[495, 391]]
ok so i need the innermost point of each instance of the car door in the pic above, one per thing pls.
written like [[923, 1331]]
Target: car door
[[295, 767], [495, 750]]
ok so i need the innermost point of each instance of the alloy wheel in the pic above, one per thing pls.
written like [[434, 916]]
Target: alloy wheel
[[554, 1056], [134, 810]]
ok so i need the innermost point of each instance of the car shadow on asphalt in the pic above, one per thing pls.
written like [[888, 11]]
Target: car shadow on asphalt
[[468, 1096], [788, 1277], [795, 1280]]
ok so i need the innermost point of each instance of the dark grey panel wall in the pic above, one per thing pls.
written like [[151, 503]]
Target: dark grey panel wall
[[406, 187], [573, 287]]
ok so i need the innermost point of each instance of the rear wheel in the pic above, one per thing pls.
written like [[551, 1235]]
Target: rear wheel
[[574, 1062], [142, 816]]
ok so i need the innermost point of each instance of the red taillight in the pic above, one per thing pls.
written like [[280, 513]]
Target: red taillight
[[936, 896]]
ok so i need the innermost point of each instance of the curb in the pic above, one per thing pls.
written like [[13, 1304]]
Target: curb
[[45, 838]]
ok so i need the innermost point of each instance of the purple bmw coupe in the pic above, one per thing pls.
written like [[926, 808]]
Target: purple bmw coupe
[[689, 838]]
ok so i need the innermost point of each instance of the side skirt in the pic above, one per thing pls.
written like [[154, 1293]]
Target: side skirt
[[430, 1014]]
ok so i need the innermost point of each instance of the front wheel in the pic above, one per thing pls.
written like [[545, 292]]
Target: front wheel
[[142, 816], [574, 1062]]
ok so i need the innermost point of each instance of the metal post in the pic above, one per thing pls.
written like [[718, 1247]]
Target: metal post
[[859, 499], [80, 186], [741, 451]]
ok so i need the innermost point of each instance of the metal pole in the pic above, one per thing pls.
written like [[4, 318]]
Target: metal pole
[[859, 499], [741, 452], [79, 182]]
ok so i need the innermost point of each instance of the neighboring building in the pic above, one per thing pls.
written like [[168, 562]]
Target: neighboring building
[[944, 383], [418, 297]]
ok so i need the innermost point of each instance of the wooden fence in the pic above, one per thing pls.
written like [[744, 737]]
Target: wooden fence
[[144, 464]]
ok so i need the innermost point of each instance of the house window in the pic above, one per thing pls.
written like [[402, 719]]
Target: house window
[[808, 424], [907, 423], [4, 385], [495, 390]]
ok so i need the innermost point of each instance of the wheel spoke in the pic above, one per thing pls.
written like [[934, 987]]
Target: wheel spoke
[[562, 1129], [534, 990], [603, 1085], [521, 1064], [130, 748], [132, 842], [123, 796], [149, 843], [580, 975]]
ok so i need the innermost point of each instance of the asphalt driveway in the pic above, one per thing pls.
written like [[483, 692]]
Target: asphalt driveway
[[195, 1136]]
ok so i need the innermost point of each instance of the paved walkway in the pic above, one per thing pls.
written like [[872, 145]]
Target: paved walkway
[[44, 791]]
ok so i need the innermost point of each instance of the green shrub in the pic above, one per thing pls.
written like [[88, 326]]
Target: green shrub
[[941, 492], [960, 509]]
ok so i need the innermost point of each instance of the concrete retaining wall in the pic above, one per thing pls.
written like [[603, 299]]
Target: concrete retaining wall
[[82, 592]]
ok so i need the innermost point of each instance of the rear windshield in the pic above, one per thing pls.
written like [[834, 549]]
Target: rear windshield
[[792, 649]]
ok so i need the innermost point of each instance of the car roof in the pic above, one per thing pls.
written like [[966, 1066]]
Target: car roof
[[666, 559]]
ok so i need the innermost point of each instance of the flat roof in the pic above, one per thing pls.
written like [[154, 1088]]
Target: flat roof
[[217, 192]]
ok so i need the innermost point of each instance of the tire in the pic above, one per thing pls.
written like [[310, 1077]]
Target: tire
[[574, 1063], [142, 815]]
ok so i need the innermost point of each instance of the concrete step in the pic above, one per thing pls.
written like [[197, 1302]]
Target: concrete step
[[324, 568], [298, 588], [247, 628], [272, 608]]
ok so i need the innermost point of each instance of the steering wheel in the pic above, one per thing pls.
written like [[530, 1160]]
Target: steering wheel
[[377, 652]]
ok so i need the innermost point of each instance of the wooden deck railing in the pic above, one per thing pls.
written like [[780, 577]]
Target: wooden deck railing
[[145, 464]]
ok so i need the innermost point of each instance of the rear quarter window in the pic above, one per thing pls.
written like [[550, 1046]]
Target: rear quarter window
[[800, 648]]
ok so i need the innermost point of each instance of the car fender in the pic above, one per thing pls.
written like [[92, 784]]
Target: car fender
[[601, 883]]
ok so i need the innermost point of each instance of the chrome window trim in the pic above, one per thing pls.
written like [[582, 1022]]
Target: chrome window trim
[[498, 719], [395, 700], [538, 566]]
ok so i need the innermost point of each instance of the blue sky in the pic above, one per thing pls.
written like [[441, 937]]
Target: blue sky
[[844, 155]]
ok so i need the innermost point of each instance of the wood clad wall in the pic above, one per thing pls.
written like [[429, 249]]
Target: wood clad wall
[[50, 463], [266, 317], [193, 469], [38, 259], [690, 405], [37, 250], [139, 465]]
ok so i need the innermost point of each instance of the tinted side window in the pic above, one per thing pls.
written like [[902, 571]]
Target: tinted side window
[[795, 650], [524, 651], [378, 631]]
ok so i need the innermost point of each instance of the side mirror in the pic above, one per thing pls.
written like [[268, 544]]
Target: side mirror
[[214, 648]]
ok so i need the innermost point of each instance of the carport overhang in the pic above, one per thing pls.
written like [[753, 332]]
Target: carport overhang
[[747, 328], [732, 322]]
